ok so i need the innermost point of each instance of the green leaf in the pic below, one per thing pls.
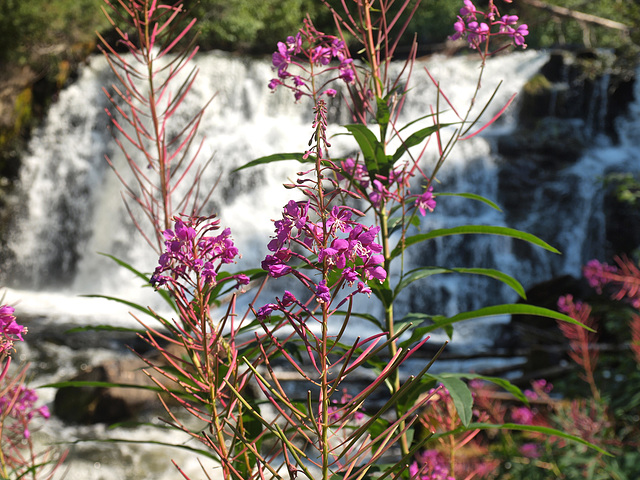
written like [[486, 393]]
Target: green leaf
[[372, 150], [505, 309], [382, 116], [78, 383], [182, 446], [460, 394], [424, 272], [276, 157], [382, 292], [124, 302], [501, 382], [396, 222], [473, 229], [104, 328], [416, 138], [471, 196], [147, 280], [550, 432]]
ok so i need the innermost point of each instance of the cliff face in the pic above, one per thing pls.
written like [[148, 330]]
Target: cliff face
[[16, 108]]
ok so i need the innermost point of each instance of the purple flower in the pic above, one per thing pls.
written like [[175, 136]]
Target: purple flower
[[190, 254], [10, 330], [266, 310], [530, 450], [468, 9], [596, 274], [294, 44], [288, 299], [522, 415], [426, 201], [330, 92], [276, 264], [350, 275], [274, 83], [323, 295], [340, 218], [281, 58], [519, 34], [364, 288], [321, 55], [242, 279], [19, 403]]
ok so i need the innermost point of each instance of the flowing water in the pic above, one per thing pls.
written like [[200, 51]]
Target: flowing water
[[72, 209]]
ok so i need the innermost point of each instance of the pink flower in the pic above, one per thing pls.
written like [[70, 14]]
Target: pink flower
[[426, 202], [323, 295], [530, 450], [522, 415]]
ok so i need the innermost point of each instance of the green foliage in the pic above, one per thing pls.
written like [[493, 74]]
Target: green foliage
[[249, 25], [547, 29], [626, 187], [33, 29]]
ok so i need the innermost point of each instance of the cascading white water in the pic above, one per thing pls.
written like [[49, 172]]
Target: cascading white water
[[73, 207]]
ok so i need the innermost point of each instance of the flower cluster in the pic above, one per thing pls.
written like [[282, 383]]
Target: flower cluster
[[470, 26], [19, 404], [382, 188], [430, 465], [10, 330], [312, 52], [596, 272], [193, 258], [340, 244]]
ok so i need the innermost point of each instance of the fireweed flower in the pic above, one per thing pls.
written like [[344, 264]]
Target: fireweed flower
[[470, 25], [311, 53], [193, 257], [430, 465], [426, 201], [382, 189], [10, 330], [348, 249], [595, 273], [19, 404]]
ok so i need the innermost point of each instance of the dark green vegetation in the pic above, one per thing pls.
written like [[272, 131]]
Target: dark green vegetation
[[37, 28]]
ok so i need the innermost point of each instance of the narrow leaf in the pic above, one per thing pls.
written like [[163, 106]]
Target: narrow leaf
[[501, 382], [549, 432], [423, 272], [375, 158], [277, 157], [416, 138], [471, 196], [473, 229], [505, 309]]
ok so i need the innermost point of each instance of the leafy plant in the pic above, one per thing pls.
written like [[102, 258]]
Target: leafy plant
[[334, 250]]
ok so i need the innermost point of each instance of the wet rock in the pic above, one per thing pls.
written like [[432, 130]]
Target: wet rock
[[100, 404]]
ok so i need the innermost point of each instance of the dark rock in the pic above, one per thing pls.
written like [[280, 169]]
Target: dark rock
[[98, 404], [622, 226], [593, 86]]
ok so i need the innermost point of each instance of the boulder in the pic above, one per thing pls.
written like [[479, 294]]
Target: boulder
[[99, 404]]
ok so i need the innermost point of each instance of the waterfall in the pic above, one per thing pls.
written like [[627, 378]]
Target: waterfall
[[72, 206]]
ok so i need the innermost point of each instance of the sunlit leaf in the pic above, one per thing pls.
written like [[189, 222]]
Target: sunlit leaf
[[460, 394], [470, 196], [424, 272], [472, 229], [276, 157]]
